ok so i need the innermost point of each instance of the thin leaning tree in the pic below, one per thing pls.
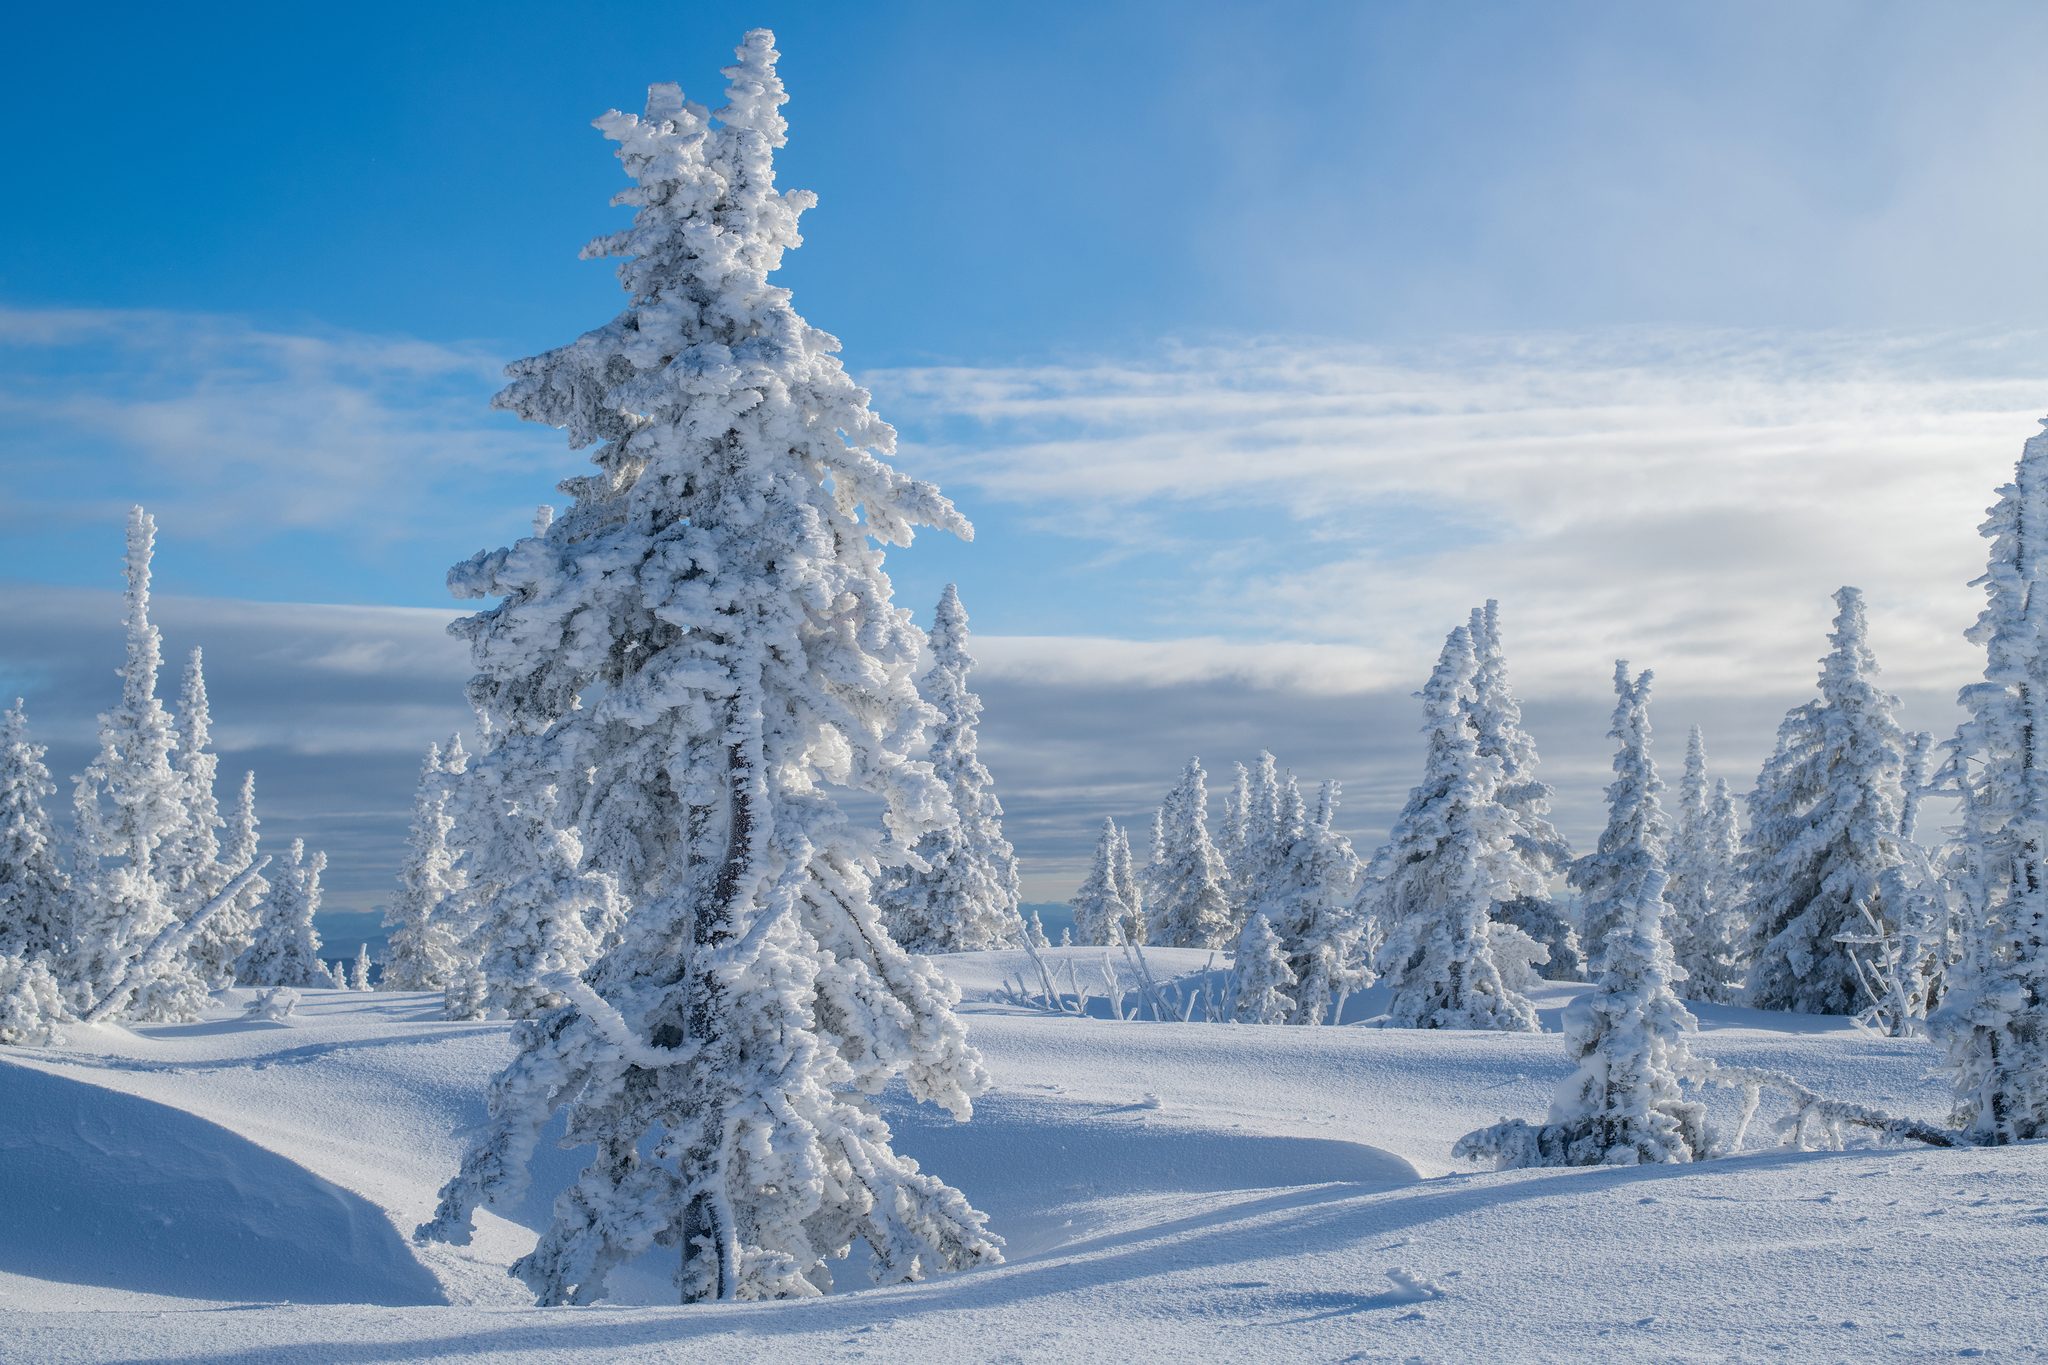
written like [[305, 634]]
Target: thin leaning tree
[[716, 579]]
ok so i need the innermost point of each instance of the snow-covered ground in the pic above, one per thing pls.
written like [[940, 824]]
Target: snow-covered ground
[[244, 1192]]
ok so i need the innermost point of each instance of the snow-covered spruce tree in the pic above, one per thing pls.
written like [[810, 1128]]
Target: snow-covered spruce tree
[[1308, 890], [1497, 721], [1190, 901], [716, 578], [1099, 910], [195, 866], [1994, 1019], [31, 1003], [421, 952], [1703, 891], [1824, 831], [1264, 979], [131, 814], [359, 970], [1254, 846], [967, 897], [286, 948], [35, 892], [1450, 856], [1622, 1105], [1129, 889]]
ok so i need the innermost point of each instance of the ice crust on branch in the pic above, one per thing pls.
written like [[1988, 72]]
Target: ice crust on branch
[[717, 578], [966, 898]]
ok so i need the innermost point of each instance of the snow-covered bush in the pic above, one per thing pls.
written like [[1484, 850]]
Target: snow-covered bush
[[35, 891], [1451, 855], [1189, 892], [1824, 831], [1263, 977], [274, 1005], [286, 947], [1704, 890], [1622, 1104], [717, 580], [966, 898], [31, 1005]]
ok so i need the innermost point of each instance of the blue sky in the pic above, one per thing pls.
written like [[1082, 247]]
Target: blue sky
[[1259, 341]]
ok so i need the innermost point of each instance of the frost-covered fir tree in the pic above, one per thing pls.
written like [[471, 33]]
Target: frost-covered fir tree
[[1264, 980], [1190, 898], [1254, 842], [359, 970], [35, 892], [967, 897], [1129, 888], [131, 808], [1099, 909], [286, 948], [1823, 832], [1622, 1104], [421, 954], [1497, 724], [1703, 891], [717, 579], [1994, 1020], [195, 866], [1307, 892], [1451, 855], [1609, 879]]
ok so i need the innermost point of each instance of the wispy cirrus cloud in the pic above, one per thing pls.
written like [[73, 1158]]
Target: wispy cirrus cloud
[[1683, 498]]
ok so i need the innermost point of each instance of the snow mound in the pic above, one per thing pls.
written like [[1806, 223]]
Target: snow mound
[[102, 1188]]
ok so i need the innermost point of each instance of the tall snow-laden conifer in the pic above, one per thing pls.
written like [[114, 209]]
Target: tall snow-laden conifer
[[967, 899], [1099, 909], [1451, 855], [1995, 1017], [1824, 830], [1190, 901], [1703, 890], [716, 579], [1497, 725], [131, 808], [1610, 878], [286, 948], [421, 955], [35, 892], [1622, 1105]]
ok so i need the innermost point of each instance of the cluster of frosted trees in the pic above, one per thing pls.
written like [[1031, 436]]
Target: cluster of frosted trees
[[1837, 908], [1826, 905], [145, 908]]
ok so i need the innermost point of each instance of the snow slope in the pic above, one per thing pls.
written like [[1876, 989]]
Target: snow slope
[[1192, 1191]]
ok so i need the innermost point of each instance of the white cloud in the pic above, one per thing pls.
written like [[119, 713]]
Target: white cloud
[[1688, 500], [227, 427]]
